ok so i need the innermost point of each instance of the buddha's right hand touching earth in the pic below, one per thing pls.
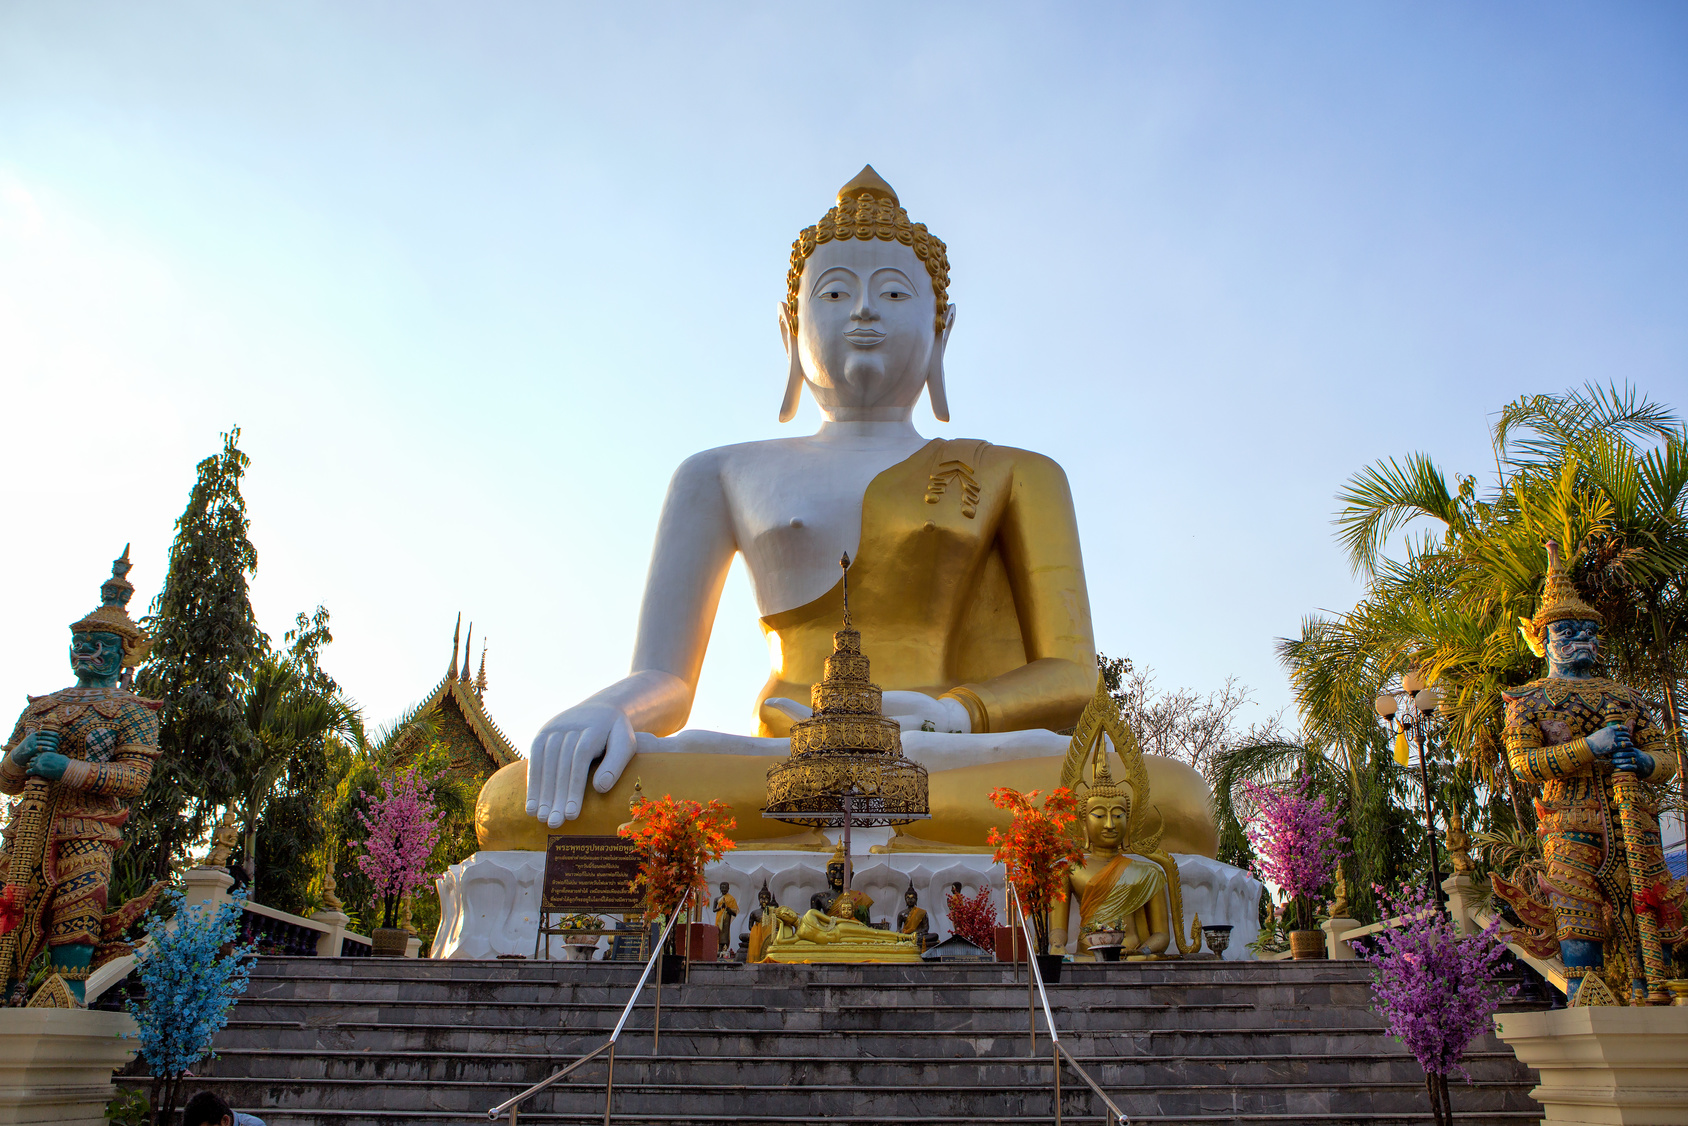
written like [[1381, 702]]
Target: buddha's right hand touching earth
[[562, 755]]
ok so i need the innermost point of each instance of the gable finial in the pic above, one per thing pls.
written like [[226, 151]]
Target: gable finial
[[451, 670], [468, 647], [480, 681]]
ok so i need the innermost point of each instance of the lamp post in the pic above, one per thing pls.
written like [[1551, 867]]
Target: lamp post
[[1415, 710]]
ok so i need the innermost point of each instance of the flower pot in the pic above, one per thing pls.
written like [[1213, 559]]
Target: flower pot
[[698, 941], [1306, 945], [1010, 944], [1218, 938], [673, 969], [1049, 968], [388, 942]]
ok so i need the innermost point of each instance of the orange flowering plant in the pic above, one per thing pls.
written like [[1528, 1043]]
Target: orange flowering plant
[[674, 840], [1037, 850]]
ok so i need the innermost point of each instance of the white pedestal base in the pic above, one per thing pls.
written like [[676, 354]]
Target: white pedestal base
[[489, 904], [1605, 1065], [56, 1064]]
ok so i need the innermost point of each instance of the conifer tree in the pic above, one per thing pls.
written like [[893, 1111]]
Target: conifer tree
[[205, 643]]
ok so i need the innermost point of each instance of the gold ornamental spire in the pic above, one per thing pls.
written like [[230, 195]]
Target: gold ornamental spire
[[112, 614], [1559, 602], [848, 745]]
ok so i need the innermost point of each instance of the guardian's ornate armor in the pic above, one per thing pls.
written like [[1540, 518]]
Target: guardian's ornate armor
[[111, 739], [1601, 894], [76, 757], [1587, 859]]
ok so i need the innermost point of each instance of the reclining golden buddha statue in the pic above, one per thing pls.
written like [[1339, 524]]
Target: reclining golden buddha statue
[[967, 566]]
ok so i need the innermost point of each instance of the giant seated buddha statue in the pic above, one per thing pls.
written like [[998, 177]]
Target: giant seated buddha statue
[[968, 580]]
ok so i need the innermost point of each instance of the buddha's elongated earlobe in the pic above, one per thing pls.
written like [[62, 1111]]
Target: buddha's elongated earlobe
[[794, 376], [935, 370]]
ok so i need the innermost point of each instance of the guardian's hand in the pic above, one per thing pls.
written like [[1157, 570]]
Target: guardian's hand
[[36, 742], [49, 765], [562, 757], [1636, 761], [1608, 741]]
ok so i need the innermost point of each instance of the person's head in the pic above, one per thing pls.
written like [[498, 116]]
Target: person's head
[[206, 1109], [867, 312]]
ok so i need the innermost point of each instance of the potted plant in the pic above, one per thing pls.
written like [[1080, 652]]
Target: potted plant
[[1037, 851], [580, 946], [1297, 839], [403, 829], [1435, 986], [674, 841], [973, 919]]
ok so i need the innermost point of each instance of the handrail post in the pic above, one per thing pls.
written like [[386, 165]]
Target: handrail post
[[609, 1086], [1056, 1052], [656, 1022]]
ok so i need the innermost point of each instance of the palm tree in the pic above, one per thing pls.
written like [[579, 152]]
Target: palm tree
[[1599, 468], [291, 718]]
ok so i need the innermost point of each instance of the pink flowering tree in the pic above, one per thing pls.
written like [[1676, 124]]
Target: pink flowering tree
[[403, 828], [1435, 986], [1297, 839]]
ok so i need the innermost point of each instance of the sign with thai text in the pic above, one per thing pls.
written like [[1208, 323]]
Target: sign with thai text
[[591, 874]]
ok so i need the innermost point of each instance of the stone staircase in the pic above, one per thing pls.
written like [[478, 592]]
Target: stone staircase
[[377, 1042]]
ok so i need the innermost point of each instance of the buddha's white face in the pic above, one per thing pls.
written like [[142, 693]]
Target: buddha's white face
[[865, 336]]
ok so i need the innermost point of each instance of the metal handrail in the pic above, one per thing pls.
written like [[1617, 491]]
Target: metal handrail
[[1115, 1116], [511, 1105]]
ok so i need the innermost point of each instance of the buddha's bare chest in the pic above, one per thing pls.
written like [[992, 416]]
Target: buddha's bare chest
[[794, 510]]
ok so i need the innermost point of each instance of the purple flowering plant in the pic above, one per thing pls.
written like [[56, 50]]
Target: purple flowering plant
[[1434, 985], [1297, 839], [404, 827]]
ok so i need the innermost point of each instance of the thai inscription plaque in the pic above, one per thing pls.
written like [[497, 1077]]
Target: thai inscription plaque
[[591, 874]]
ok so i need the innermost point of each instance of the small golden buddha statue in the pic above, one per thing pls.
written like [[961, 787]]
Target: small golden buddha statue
[[837, 900], [818, 937], [725, 907], [1116, 893], [1135, 897], [912, 919], [762, 926]]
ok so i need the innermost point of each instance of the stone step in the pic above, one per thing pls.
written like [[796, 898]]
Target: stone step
[[311, 1064], [995, 1018], [394, 1035], [810, 1102], [1082, 1114]]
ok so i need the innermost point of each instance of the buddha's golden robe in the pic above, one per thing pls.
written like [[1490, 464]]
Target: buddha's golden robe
[[1123, 887], [968, 583]]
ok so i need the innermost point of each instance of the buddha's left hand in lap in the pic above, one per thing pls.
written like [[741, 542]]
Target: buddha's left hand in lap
[[912, 711]]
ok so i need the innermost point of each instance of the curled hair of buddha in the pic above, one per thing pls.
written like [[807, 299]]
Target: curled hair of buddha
[[868, 209]]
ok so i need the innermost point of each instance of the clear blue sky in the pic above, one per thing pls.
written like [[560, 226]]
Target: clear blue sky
[[474, 278]]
